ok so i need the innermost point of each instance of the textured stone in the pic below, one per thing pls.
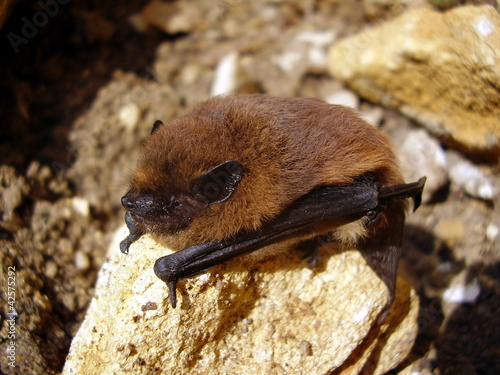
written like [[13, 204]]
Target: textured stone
[[272, 317], [442, 69]]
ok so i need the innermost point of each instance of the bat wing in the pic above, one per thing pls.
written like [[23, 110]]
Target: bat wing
[[337, 204]]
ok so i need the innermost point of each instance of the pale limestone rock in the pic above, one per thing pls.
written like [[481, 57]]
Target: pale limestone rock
[[273, 317], [442, 69]]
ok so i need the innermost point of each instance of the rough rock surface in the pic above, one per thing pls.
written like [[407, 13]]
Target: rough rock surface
[[274, 317], [442, 69]]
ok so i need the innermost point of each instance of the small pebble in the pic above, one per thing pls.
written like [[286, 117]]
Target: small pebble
[[317, 38], [344, 97], [492, 232], [463, 293], [82, 261], [226, 75], [373, 116], [172, 17], [129, 115], [81, 205], [290, 60], [50, 269], [138, 23], [305, 348], [317, 57], [452, 231]]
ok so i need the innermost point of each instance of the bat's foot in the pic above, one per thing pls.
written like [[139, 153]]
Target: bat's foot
[[311, 248]]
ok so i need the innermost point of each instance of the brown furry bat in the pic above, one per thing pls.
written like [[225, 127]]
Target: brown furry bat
[[242, 172]]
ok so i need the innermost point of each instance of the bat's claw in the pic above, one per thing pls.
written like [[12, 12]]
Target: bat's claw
[[417, 199], [124, 246], [412, 190], [172, 287]]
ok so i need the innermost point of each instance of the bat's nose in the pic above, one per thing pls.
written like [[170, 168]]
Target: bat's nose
[[128, 203]]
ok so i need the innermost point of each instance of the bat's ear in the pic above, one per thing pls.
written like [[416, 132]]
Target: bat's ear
[[158, 124], [218, 184]]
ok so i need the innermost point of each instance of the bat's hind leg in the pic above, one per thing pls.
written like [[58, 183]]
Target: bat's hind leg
[[311, 249]]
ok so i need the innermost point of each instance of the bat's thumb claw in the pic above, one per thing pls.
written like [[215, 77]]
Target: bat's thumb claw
[[172, 288], [124, 246], [417, 199]]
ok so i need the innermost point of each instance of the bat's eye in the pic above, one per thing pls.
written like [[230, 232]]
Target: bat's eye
[[211, 190]]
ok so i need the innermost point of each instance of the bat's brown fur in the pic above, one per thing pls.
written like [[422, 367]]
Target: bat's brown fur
[[287, 146]]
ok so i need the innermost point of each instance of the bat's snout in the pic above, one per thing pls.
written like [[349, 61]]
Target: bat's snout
[[143, 205], [128, 203]]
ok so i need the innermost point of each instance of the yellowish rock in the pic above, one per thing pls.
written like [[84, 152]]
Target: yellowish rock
[[442, 69], [272, 317]]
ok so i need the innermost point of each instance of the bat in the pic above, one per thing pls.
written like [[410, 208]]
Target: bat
[[253, 175]]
